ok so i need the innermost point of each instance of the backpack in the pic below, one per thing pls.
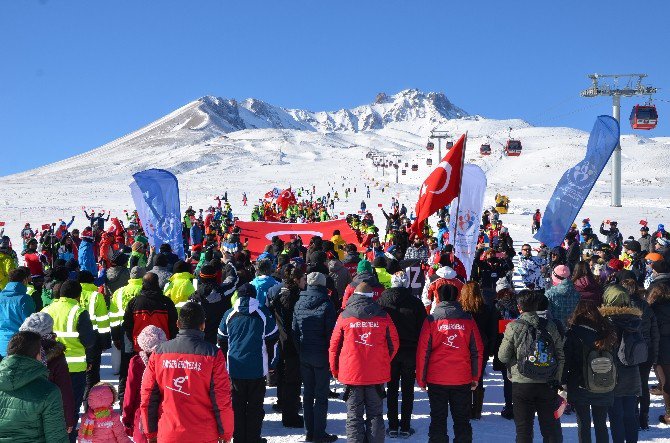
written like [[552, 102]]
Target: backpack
[[633, 349], [599, 370], [536, 353]]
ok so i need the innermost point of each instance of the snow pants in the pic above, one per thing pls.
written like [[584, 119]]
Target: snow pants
[[459, 400], [248, 396], [368, 400], [531, 398], [403, 375]]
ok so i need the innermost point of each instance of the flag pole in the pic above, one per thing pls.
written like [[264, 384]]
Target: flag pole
[[460, 190]]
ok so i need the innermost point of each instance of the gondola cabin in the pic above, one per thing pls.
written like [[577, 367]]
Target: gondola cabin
[[406, 165], [485, 150], [513, 148], [415, 168], [430, 146], [450, 145], [643, 117], [429, 161], [404, 172]]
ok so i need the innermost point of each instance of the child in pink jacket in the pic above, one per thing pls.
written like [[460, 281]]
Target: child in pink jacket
[[100, 423]]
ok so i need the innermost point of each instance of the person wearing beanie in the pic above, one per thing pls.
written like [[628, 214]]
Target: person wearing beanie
[[339, 274], [148, 340], [214, 298], [263, 280], [245, 333], [449, 362], [32, 409], [138, 256], [165, 250], [364, 274], [562, 296], [646, 240], [408, 314], [618, 310], [15, 305], [86, 254], [74, 330], [364, 337], [613, 237], [180, 284], [351, 259], [162, 270], [379, 265], [53, 353], [660, 274], [101, 423], [185, 395], [313, 321]]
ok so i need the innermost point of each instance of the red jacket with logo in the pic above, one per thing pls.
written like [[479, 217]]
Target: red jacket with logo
[[363, 343], [188, 379], [450, 349]]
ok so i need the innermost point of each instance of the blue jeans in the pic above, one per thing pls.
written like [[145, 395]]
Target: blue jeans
[[315, 379], [623, 419]]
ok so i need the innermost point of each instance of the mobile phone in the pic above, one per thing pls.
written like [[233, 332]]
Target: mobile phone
[[246, 239]]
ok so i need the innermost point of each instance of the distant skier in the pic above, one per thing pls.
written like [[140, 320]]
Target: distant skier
[[368, 192], [537, 219], [244, 199], [363, 206]]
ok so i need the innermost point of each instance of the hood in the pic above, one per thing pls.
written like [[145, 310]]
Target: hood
[[609, 311], [452, 309], [587, 285], [335, 265], [206, 293], [15, 287], [101, 396], [446, 272], [362, 307], [246, 305], [351, 258], [365, 277], [396, 295], [533, 317], [314, 296], [52, 349], [16, 371], [623, 317], [116, 273], [181, 276]]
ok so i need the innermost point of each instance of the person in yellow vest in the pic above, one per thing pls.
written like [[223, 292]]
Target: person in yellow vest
[[340, 244], [94, 302], [180, 285], [379, 264], [117, 308], [74, 330]]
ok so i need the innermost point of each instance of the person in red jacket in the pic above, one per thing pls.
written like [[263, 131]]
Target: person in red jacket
[[449, 363], [362, 346], [364, 274], [185, 394]]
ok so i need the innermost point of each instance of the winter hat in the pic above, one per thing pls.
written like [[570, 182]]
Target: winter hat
[[207, 272], [246, 290], [501, 284], [87, 233], [399, 280], [616, 295], [316, 279], [663, 241], [644, 228], [661, 227], [137, 272], [615, 264], [317, 257], [364, 289], [634, 246], [624, 275], [363, 266], [653, 256], [150, 338], [560, 273], [39, 322], [119, 258], [102, 395], [660, 267], [379, 262]]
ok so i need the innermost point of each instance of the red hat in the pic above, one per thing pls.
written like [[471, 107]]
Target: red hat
[[615, 264]]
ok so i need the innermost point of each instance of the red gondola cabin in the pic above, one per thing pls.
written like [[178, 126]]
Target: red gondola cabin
[[513, 148], [643, 117], [430, 146], [485, 149]]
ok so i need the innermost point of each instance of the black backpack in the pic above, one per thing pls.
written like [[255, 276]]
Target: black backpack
[[536, 353], [633, 349], [599, 370]]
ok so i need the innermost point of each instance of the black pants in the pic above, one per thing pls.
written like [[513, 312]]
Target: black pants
[[663, 374], [458, 399], [531, 398], [288, 386], [507, 389], [645, 399], [78, 387], [403, 375], [123, 373], [584, 412], [365, 413], [316, 378], [248, 398]]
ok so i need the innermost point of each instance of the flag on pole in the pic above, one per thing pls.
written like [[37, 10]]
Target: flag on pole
[[441, 186], [286, 199]]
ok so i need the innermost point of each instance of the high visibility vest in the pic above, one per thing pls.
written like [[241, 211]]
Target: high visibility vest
[[94, 303], [65, 313], [180, 288], [120, 300]]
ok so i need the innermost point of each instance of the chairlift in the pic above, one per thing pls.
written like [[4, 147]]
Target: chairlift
[[485, 150], [403, 172], [429, 161], [415, 168], [644, 117]]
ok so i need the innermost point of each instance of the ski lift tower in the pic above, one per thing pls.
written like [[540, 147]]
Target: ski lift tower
[[439, 135], [611, 88]]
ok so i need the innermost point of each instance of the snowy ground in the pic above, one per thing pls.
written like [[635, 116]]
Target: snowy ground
[[490, 428]]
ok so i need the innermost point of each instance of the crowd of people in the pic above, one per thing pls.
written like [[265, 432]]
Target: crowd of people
[[200, 337]]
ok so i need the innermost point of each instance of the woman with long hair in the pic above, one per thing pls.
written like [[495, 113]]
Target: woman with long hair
[[659, 300], [586, 284], [588, 330], [507, 311], [486, 317], [649, 328]]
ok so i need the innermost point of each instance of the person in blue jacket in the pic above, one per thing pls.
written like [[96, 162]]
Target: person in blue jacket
[[263, 280], [86, 253], [15, 305], [246, 332]]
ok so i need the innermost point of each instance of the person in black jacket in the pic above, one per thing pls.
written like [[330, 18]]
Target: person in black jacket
[[408, 314], [651, 336], [588, 330], [281, 301], [507, 311], [214, 299], [659, 300], [486, 317], [489, 269]]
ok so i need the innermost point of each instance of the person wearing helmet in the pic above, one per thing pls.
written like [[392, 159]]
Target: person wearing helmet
[[661, 232]]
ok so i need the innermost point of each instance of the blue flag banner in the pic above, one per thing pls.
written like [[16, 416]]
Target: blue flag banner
[[156, 196], [577, 182]]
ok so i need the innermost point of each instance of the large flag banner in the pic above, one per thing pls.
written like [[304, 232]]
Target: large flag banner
[[286, 199], [577, 182], [441, 186], [156, 196], [464, 236], [259, 234]]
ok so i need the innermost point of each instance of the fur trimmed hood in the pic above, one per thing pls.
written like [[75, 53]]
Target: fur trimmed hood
[[609, 311]]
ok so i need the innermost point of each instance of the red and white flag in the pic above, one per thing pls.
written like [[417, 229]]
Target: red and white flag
[[441, 186], [286, 199]]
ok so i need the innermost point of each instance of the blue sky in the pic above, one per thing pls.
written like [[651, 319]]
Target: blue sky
[[79, 73]]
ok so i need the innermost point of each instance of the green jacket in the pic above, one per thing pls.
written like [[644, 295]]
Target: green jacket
[[512, 339], [32, 409]]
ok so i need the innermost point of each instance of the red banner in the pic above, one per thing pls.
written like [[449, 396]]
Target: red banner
[[260, 233]]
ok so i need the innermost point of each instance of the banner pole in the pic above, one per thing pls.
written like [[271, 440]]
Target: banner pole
[[458, 204]]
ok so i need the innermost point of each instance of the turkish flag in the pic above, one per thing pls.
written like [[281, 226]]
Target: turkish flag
[[441, 186], [286, 199]]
